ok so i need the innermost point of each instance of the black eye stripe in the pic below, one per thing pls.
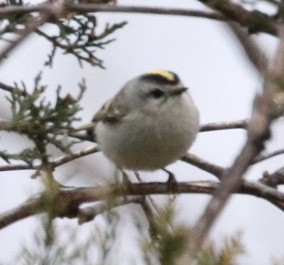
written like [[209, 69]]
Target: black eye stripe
[[157, 93]]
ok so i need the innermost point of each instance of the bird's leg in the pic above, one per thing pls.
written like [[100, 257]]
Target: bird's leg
[[171, 182], [126, 183], [171, 176]]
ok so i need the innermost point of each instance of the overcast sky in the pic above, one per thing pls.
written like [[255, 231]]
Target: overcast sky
[[211, 63]]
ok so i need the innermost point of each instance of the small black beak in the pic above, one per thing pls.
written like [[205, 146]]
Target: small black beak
[[179, 91]]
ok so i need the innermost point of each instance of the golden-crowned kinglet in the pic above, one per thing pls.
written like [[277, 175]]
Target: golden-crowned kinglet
[[150, 123]]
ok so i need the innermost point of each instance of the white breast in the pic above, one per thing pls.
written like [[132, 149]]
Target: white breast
[[149, 142]]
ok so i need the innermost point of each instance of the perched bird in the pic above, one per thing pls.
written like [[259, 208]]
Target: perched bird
[[150, 123]]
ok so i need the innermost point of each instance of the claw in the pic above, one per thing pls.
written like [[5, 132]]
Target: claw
[[171, 182]]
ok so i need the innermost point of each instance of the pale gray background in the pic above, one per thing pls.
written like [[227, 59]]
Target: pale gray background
[[208, 59]]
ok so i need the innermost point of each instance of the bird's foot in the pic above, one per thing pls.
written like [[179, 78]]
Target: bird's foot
[[171, 182]]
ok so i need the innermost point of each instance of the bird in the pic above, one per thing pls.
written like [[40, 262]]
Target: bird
[[149, 124]]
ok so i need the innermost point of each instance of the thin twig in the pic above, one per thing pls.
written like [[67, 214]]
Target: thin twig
[[24, 210], [81, 136], [65, 159], [82, 8], [263, 191], [213, 126], [11, 89], [87, 8], [274, 179], [229, 11], [18, 167], [255, 55], [254, 21], [25, 9], [263, 157], [215, 170], [87, 214], [225, 125], [55, 163], [6, 87]]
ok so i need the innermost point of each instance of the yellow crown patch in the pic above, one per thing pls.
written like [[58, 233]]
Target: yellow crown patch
[[165, 74]]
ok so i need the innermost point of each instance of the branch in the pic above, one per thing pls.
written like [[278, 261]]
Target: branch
[[215, 170], [6, 87], [258, 132], [263, 113], [87, 214], [55, 163], [254, 21], [17, 167], [82, 8], [226, 125], [261, 158], [255, 55], [274, 179], [65, 159], [214, 126], [66, 203], [24, 210], [90, 8], [262, 191]]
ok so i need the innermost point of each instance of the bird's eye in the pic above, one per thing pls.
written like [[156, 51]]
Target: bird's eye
[[157, 93]]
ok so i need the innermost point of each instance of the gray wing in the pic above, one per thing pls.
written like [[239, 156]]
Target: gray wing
[[112, 111]]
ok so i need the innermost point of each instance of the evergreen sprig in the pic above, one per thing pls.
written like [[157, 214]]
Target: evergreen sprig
[[171, 244], [40, 120], [73, 34], [78, 36], [227, 254]]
